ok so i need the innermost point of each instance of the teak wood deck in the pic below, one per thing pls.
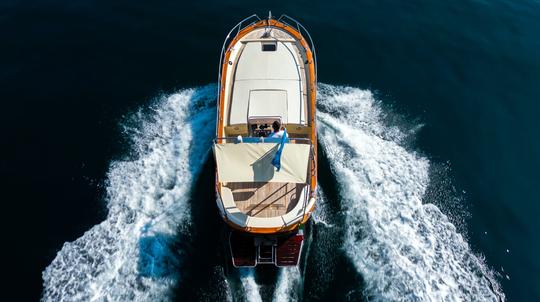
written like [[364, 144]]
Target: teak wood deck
[[265, 199]]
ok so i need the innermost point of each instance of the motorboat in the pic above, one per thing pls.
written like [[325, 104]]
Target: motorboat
[[266, 140]]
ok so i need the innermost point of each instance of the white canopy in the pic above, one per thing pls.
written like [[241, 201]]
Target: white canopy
[[252, 162]]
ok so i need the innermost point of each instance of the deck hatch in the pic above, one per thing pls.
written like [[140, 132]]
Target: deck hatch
[[264, 103], [266, 46]]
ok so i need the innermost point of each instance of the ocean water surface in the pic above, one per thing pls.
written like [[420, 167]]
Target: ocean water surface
[[429, 157]]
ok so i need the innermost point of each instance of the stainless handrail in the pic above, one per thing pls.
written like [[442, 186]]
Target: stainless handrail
[[283, 18], [310, 41], [225, 43], [229, 138]]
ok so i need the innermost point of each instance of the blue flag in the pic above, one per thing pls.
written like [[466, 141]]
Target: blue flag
[[276, 162]]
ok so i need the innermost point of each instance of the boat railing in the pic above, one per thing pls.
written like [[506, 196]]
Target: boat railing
[[285, 19], [238, 27], [290, 21], [295, 140]]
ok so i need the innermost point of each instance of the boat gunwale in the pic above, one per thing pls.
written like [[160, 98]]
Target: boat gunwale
[[312, 84]]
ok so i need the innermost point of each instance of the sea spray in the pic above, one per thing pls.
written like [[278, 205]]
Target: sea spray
[[289, 285], [135, 254], [249, 285], [321, 215], [404, 247]]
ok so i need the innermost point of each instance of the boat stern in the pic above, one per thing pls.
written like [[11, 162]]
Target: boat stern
[[248, 250]]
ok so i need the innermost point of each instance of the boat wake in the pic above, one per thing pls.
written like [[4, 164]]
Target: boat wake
[[404, 247], [249, 285], [288, 286], [289, 283], [136, 253]]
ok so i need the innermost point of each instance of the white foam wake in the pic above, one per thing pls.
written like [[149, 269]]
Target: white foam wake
[[404, 249], [288, 286], [133, 254], [249, 285], [321, 215]]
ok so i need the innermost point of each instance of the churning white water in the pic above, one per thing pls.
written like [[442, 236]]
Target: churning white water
[[288, 285], [250, 287], [133, 254], [405, 248]]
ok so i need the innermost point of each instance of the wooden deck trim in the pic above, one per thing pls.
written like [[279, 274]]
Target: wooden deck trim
[[312, 99], [266, 200]]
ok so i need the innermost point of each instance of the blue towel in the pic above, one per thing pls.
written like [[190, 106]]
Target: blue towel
[[276, 162]]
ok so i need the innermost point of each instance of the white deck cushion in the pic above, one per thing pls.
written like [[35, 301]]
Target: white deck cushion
[[243, 220], [233, 213], [298, 211]]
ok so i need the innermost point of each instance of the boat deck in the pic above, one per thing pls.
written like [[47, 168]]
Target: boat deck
[[265, 199]]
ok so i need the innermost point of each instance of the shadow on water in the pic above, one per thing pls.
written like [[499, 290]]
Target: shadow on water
[[329, 274], [205, 275], [329, 184], [164, 255], [155, 259], [202, 276]]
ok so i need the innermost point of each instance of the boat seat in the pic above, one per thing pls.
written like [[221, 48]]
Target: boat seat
[[243, 220], [271, 222], [297, 212], [233, 213]]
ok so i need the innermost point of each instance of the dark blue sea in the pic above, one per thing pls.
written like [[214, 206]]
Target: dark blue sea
[[428, 113]]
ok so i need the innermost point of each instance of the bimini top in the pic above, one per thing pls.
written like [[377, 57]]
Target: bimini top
[[252, 162]]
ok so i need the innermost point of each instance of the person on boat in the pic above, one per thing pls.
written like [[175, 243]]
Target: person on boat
[[278, 130]]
